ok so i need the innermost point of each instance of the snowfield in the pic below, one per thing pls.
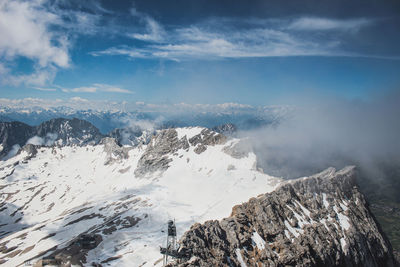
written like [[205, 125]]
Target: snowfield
[[48, 200]]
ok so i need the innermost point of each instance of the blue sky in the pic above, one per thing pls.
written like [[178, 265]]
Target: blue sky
[[263, 53]]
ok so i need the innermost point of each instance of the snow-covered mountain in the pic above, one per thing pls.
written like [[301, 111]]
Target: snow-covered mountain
[[122, 196], [100, 203]]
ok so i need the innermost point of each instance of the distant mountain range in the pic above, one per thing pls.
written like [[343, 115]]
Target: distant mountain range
[[106, 121]]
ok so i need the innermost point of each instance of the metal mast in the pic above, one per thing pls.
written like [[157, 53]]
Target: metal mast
[[171, 249]]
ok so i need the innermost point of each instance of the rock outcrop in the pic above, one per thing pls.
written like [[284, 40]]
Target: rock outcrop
[[115, 152], [227, 129], [155, 158], [166, 142], [322, 220], [206, 138]]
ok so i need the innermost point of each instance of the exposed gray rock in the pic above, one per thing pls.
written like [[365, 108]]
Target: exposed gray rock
[[322, 220], [200, 148], [228, 129], [115, 153], [166, 143], [155, 158], [208, 137], [13, 133], [397, 257]]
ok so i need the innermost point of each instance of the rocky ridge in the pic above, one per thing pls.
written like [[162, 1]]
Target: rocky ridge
[[322, 220], [167, 142]]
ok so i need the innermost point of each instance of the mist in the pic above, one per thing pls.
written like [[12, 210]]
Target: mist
[[334, 132], [48, 140]]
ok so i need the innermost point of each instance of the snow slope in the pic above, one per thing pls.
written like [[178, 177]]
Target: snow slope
[[48, 200]]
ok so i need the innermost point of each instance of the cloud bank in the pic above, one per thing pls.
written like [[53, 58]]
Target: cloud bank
[[331, 132]]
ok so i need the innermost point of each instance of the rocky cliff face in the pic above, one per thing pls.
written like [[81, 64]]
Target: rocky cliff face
[[322, 220], [70, 131], [53, 132], [13, 133]]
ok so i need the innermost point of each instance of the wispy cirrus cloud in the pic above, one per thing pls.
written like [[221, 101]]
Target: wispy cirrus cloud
[[44, 89], [97, 87], [238, 38], [325, 24], [154, 31]]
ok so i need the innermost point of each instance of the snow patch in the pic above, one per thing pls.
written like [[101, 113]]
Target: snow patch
[[188, 131], [343, 243], [325, 201], [344, 221], [306, 211], [343, 206], [300, 219], [258, 240], [240, 258], [294, 231]]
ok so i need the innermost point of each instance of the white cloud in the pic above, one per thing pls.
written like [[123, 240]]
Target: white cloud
[[318, 24], [45, 89], [24, 28], [202, 44], [78, 99], [154, 31], [25, 32], [42, 32], [36, 140], [84, 89], [124, 51], [97, 87], [236, 38], [48, 140]]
